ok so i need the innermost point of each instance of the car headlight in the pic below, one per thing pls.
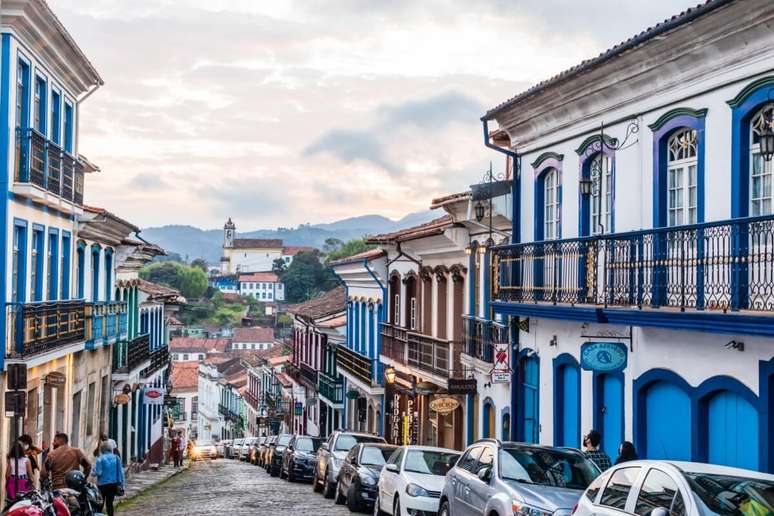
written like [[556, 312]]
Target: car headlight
[[416, 490], [522, 509], [367, 480]]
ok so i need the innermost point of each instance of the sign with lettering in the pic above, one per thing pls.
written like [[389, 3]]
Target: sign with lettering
[[501, 371], [121, 399], [603, 357], [396, 420], [462, 386], [55, 379], [444, 405], [153, 396]]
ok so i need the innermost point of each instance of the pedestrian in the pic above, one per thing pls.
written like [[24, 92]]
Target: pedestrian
[[626, 452], [103, 438], [109, 473], [181, 449], [176, 449], [18, 472], [62, 460], [32, 452], [591, 442]]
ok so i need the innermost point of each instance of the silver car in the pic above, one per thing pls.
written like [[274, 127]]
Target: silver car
[[493, 477], [661, 488], [331, 455]]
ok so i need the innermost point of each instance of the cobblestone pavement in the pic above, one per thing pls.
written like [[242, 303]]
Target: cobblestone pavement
[[225, 487]]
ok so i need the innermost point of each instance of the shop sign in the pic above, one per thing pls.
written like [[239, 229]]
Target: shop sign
[[410, 434], [298, 408], [55, 379], [153, 396], [121, 399], [396, 419], [603, 357], [425, 388], [462, 386], [15, 403], [444, 405], [501, 372]]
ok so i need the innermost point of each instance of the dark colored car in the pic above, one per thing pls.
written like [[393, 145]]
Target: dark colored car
[[276, 454], [300, 458], [331, 456], [359, 475], [264, 451]]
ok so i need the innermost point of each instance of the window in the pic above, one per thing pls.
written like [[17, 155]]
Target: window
[[760, 169], [659, 490], [594, 488], [551, 208], [412, 313], [90, 402], [485, 461], [53, 263], [95, 274], [430, 462], [682, 164], [617, 489], [19, 262], [469, 460], [22, 84], [108, 275], [601, 176], [36, 265], [554, 468], [68, 127], [65, 274], [39, 106], [201, 356], [185, 356], [396, 313], [80, 272], [56, 117]]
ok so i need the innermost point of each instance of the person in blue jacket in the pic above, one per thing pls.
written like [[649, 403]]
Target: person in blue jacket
[[109, 473]]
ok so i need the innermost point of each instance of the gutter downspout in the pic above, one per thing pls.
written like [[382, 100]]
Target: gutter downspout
[[401, 253], [378, 350]]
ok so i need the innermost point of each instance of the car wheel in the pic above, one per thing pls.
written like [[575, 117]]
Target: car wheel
[[290, 472], [328, 489], [353, 500], [396, 506], [340, 498], [316, 482], [444, 509]]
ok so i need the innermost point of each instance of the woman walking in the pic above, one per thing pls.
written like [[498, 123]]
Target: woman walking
[[626, 452], [18, 473], [110, 475]]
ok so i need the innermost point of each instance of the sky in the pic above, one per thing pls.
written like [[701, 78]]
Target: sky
[[283, 112]]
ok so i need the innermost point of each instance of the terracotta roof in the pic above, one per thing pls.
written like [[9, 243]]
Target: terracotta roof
[[292, 251], [200, 345], [269, 277], [105, 213], [434, 227], [173, 321], [257, 243], [643, 37], [284, 379], [365, 255], [162, 292], [256, 358], [336, 322], [253, 334], [279, 359], [326, 304], [230, 296], [447, 199], [184, 375]]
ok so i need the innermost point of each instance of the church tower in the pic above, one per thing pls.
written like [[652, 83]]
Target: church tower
[[229, 231]]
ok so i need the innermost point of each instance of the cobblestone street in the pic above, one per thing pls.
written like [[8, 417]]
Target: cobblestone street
[[226, 487]]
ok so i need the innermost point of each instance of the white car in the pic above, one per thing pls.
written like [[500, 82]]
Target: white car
[[244, 451], [412, 480], [204, 450], [236, 449], [663, 488]]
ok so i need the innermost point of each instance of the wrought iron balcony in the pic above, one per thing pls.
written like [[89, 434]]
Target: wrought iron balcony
[[355, 364], [481, 336], [721, 266], [105, 322], [251, 400], [128, 356], [45, 164], [331, 389], [423, 352], [308, 374], [159, 359], [45, 326]]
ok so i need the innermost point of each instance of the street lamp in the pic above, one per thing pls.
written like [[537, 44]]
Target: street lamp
[[389, 374], [584, 185], [480, 209], [767, 139]]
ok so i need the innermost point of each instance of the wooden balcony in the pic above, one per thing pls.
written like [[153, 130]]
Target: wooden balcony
[[355, 364], [105, 322], [159, 359], [35, 328], [422, 352], [129, 356]]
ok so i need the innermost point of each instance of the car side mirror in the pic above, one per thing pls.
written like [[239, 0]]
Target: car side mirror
[[324, 446], [392, 468], [659, 511], [485, 475]]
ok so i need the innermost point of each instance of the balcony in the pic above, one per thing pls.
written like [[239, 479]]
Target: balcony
[[394, 342], [35, 328], [105, 322], [480, 336], [308, 375], [47, 173], [159, 359], [677, 277], [130, 356], [251, 400], [331, 389], [422, 352], [355, 364]]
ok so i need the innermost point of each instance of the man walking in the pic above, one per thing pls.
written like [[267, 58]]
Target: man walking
[[591, 443], [62, 460]]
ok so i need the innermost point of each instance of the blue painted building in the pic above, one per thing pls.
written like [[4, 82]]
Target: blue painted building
[[640, 265]]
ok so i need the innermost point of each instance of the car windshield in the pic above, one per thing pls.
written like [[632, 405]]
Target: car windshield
[[430, 462], [283, 440], [373, 456], [345, 442], [725, 494], [307, 444], [556, 468]]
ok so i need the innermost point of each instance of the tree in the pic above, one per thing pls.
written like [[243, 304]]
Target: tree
[[351, 248], [200, 263], [306, 277], [331, 245], [190, 281], [278, 266]]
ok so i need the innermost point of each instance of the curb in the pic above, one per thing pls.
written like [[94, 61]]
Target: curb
[[125, 499]]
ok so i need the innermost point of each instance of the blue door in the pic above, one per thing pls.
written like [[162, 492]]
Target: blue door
[[570, 407], [668, 422], [733, 431], [609, 407], [529, 399]]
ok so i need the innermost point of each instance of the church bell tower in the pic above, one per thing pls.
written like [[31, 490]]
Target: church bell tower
[[229, 231]]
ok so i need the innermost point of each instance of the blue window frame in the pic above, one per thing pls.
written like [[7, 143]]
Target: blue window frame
[[65, 276], [22, 94], [19, 262], [95, 258], [68, 127], [597, 164], [36, 262], [81, 269], [53, 263], [108, 274], [548, 196], [56, 117], [40, 109]]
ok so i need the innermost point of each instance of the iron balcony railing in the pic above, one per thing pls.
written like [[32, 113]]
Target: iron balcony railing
[[43, 326], [481, 336], [43, 163], [159, 359], [251, 400], [437, 356], [355, 364], [105, 322], [331, 389], [726, 265], [308, 374], [128, 356]]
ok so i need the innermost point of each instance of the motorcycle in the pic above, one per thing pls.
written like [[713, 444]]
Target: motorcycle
[[82, 498], [39, 503]]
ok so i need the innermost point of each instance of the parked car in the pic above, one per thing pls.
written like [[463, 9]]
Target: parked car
[[236, 448], [661, 488], [331, 455], [254, 449], [265, 447], [516, 478], [247, 444], [276, 454], [359, 475], [204, 450], [300, 457], [222, 446], [412, 480]]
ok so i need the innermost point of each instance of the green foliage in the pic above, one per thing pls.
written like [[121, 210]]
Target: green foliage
[[351, 248], [306, 278], [331, 245], [284, 320], [278, 266], [200, 263], [190, 281]]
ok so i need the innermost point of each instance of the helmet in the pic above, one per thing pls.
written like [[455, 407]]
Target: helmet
[[75, 480]]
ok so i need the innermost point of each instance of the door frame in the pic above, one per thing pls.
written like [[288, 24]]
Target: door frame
[[598, 388]]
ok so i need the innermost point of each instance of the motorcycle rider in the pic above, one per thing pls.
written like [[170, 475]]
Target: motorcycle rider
[[62, 460]]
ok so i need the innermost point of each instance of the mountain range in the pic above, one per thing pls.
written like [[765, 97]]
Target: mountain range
[[191, 242]]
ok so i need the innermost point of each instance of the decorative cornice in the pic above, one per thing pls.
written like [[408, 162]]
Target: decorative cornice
[[458, 271], [750, 89], [591, 140], [546, 155], [674, 113], [426, 273]]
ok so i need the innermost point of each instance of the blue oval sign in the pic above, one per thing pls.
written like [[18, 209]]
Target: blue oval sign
[[603, 356]]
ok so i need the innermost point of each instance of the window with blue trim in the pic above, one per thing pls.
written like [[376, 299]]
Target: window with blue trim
[[22, 94], [760, 169], [65, 281], [56, 117], [80, 273], [95, 274], [601, 175], [551, 204], [39, 109], [53, 264], [682, 181], [36, 265], [68, 127], [108, 274], [19, 261]]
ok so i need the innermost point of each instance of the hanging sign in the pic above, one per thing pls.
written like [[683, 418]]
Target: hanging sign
[[153, 396], [121, 399], [298, 408], [55, 379], [604, 357], [444, 405], [501, 372], [462, 386]]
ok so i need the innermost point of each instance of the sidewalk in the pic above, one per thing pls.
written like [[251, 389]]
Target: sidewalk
[[138, 482]]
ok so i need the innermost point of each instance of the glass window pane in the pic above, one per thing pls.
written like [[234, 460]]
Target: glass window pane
[[617, 489], [658, 490]]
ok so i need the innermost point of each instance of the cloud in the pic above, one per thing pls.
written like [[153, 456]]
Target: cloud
[[350, 145], [148, 182], [433, 112]]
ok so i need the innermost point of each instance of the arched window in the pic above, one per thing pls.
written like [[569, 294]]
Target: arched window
[[551, 207], [682, 165], [760, 169], [601, 213]]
